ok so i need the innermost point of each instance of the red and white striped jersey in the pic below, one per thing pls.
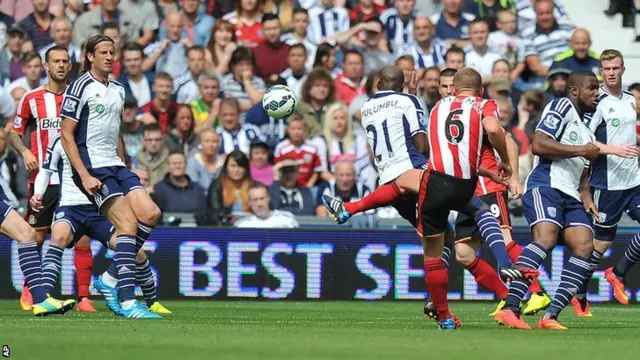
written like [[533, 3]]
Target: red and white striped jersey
[[488, 160], [456, 134], [39, 108]]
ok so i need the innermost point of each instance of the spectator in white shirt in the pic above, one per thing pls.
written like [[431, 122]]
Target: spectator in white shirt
[[508, 43], [300, 35], [327, 20], [478, 56], [296, 74], [169, 55], [454, 58], [261, 216], [427, 50]]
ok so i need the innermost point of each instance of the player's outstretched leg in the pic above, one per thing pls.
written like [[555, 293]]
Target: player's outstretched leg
[[29, 258], [539, 299], [342, 211], [147, 282], [83, 261]]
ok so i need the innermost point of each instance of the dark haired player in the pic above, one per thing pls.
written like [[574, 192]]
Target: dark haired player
[[40, 109]]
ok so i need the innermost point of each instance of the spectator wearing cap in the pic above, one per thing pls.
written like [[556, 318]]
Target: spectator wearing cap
[[131, 128], [373, 49], [169, 55], [547, 39], [261, 169], [205, 163], [11, 54], [241, 83], [61, 32], [161, 109], [38, 23], [398, 23], [185, 88], [556, 84], [296, 72], [343, 186], [452, 24], [134, 79], [287, 194], [228, 194], [182, 136], [233, 134], [176, 192], [6, 22], [146, 18], [488, 10], [326, 20], [153, 154], [261, 214], [509, 44], [270, 55], [426, 50], [32, 69], [207, 107], [579, 56], [351, 82], [300, 35], [478, 55], [297, 147], [89, 23]]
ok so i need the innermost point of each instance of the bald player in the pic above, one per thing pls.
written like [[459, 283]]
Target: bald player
[[578, 57]]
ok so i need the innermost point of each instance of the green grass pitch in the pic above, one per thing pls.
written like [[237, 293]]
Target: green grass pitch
[[216, 330]]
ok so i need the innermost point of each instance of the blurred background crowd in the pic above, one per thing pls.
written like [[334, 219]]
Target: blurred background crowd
[[195, 72]]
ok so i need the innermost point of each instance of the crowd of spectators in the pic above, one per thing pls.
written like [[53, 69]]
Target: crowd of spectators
[[195, 72]]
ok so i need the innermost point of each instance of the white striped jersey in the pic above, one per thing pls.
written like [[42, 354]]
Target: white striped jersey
[[290, 39], [97, 108], [185, 89], [397, 31], [391, 120], [240, 139], [482, 63], [294, 83], [549, 45], [58, 163], [278, 219], [327, 22], [456, 134], [527, 13], [561, 121], [614, 123], [435, 56]]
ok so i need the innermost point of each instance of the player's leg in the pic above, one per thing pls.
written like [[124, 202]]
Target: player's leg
[[437, 278], [384, 195], [147, 283], [61, 237], [483, 273], [615, 275], [83, 261], [429, 309], [543, 211], [578, 236], [145, 209]]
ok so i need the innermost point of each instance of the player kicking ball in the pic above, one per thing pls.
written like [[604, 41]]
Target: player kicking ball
[[557, 198], [75, 217]]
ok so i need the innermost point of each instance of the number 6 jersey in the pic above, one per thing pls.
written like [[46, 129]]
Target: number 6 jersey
[[456, 133], [391, 120]]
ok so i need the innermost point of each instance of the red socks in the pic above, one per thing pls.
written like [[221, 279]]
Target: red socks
[[488, 278], [437, 280], [514, 250], [83, 261], [382, 196]]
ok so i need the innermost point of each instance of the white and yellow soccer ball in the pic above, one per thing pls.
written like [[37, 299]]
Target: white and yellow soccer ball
[[279, 101]]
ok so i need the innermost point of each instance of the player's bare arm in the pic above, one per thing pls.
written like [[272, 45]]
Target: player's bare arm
[[585, 194], [120, 149], [496, 137], [625, 151], [30, 162], [70, 147], [420, 140], [515, 187], [546, 146]]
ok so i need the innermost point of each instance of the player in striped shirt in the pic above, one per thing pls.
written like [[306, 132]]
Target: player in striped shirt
[[40, 110]]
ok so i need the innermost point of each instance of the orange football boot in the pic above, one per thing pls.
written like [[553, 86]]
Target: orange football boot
[[86, 305], [618, 286], [510, 319], [26, 300], [550, 324]]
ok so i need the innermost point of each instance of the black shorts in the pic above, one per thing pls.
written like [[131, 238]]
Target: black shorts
[[466, 226], [41, 220], [407, 207], [439, 194]]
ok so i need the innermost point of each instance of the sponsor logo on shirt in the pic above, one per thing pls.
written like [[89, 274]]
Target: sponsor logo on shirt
[[50, 123], [99, 108], [615, 122]]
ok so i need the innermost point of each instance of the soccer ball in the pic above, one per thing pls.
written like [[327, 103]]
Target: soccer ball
[[279, 101]]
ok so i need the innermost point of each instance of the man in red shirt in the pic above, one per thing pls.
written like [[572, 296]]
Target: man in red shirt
[[364, 11], [40, 110], [350, 84], [296, 147], [161, 109], [271, 55]]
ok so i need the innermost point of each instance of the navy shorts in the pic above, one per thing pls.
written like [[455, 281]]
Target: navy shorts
[[116, 181], [6, 205], [85, 220], [611, 204], [546, 204]]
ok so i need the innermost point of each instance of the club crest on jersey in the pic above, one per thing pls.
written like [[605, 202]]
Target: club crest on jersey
[[70, 105], [552, 211], [104, 190], [551, 123], [602, 218], [59, 215]]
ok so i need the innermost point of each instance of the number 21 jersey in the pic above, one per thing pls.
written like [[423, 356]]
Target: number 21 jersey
[[456, 133], [391, 120]]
